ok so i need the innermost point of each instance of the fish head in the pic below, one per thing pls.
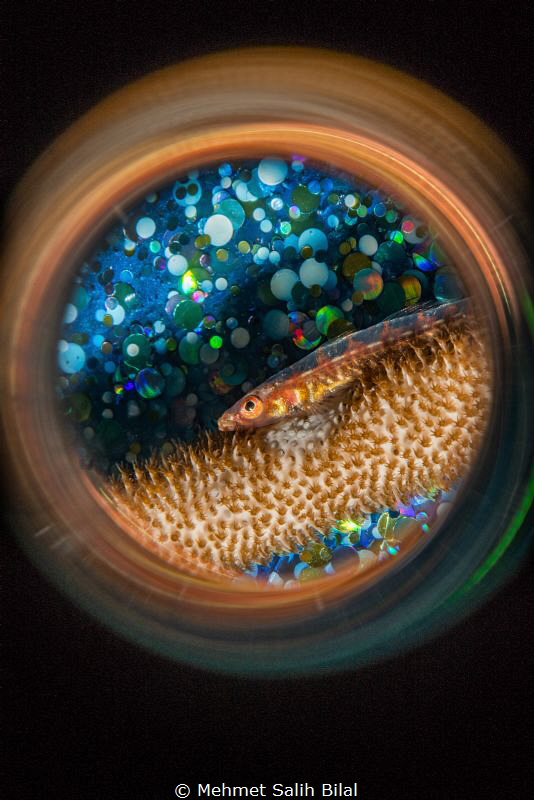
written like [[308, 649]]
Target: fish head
[[248, 412]]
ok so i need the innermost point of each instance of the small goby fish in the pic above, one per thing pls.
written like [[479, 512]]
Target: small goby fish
[[307, 383]]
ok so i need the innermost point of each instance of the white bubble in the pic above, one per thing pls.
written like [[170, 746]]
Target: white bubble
[[313, 273], [282, 283], [177, 265], [208, 355], [145, 227], [71, 358], [117, 314], [219, 228], [242, 192], [272, 171], [193, 192], [221, 284], [71, 312], [132, 350], [314, 238], [368, 245], [240, 337]]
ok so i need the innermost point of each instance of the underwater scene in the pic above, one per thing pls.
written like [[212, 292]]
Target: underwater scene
[[271, 367]]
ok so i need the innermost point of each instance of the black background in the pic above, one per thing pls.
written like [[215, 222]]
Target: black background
[[91, 716]]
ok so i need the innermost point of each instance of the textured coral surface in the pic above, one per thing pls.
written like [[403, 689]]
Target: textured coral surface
[[411, 421]]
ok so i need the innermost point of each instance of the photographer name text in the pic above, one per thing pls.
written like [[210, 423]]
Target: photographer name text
[[279, 790]]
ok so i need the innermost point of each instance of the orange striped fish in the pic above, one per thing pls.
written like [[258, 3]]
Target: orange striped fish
[[303, 386]]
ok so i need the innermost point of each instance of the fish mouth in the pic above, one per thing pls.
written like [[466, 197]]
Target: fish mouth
[[227, 422]]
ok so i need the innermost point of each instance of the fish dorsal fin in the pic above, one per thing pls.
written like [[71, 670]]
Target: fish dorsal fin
[[415, 309], [427, 305]]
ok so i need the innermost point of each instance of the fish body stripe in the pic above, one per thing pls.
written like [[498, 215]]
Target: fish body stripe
[[331, 367]]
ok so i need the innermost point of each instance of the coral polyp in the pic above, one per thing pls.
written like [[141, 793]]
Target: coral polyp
[[409, 422]]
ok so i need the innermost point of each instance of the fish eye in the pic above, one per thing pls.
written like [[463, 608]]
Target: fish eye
[[319, 208], [252, 407]]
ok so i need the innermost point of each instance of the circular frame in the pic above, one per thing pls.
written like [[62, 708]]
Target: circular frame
[[361, 117]]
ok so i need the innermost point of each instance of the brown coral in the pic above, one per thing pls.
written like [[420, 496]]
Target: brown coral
[[411, 421]]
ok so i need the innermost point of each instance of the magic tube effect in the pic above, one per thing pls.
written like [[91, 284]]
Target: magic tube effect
[[361, 118]]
